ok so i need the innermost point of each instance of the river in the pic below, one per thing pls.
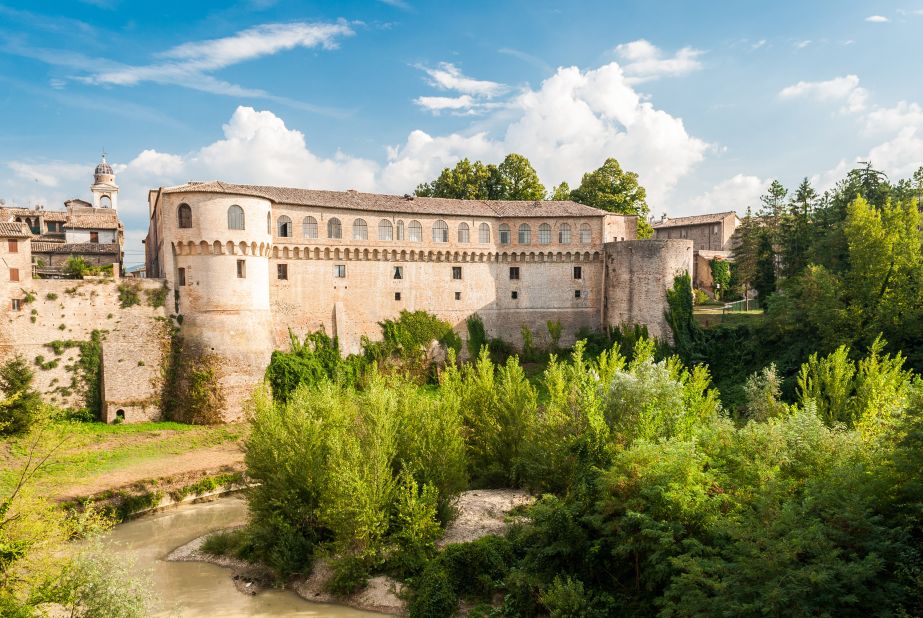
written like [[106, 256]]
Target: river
[[194, 589]]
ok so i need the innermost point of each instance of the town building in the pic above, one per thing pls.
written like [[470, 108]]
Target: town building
[[712, 237], [88, 230]]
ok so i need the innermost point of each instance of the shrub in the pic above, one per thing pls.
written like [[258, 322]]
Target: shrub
[[233, 543], [700, 297], [21, 404], [76, 266], [555, 330], [477, 335], [157, 298], [129, 294], [51, 296]]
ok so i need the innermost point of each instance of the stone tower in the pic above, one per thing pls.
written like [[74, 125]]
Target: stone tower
[[105, 191]]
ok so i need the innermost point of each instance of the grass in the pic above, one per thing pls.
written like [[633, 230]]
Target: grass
[[708, 317], [94, 449]]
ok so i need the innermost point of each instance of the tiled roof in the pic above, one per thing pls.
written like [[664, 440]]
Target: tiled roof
[[354, 200], [75, 248], [7, 214], [14, 230], [100, 220], [717, 217]]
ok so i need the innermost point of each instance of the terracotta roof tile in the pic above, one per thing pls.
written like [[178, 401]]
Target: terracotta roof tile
[[14, 230], [7, 214], [717, 217], [74, 248], [107, 220], [354, 200]]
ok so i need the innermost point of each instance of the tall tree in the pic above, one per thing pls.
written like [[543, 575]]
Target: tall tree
[[796, 229], [745, 252], [519, 179], [616, 190], [514, 179], [561, 192]]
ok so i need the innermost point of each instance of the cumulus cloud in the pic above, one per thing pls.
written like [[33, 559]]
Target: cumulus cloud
[[892, 119], [438, 104], [447, 76], [643, 61], [736, 193], [877, 19], [844, 88]]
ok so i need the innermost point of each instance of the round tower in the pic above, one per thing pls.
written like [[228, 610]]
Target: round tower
[[105, 191], [219, 249]]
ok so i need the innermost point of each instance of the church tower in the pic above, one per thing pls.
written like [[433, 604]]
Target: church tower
[[105, 191]]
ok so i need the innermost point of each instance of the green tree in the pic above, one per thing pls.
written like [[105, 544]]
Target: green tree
[[513, 179], [519, 179], [616, 190], [744, 251], [21, 403], [721, 275], [764, 280], [561, 192], [796, 229]]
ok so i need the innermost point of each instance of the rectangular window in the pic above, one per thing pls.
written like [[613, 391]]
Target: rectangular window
[[13, 246], [181, 276], [397, 296], [14, 274], [282, 271], [457, 295], [94, 237], [16, 304], [514, 272], [578, 272], [339, 271], [241, 269], [456, 272], [576, 293], [514, 294], [398, 272]]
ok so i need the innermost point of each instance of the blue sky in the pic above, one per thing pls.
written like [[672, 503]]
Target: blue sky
[[707, 101]]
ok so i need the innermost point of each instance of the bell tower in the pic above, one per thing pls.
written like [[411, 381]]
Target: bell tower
[[105, 191]]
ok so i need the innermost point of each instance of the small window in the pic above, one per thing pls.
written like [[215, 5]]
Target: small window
[[463, 232], [180, 276], [334, 228], [514, 272], [564, 234], [456, 272], [714, 229], [14, 274], [285, 227], [484, 234], [269, 223], [235, 217], [400, 230], [683, 233], [457, 295], [414, 231], [339, 271], [578, 272], [184, 216], [16, 305], [241, 269], [13, 246], [504, 234], [576, 293], [282, 271], [309, 227], [385, 230], [94, 237], [398, 272], [397, 296], [514, 294], [544, 234], [586, 235], [360, 230], [440, 231], [525, 234]]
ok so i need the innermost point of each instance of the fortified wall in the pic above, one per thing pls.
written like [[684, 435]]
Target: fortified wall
[[55, 325]]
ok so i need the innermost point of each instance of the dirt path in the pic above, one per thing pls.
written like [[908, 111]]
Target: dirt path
[[205, 461]]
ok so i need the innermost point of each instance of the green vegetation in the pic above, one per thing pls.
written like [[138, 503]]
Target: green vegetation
[[129, 294], [77, 267], [85, 373], [20, 403], [157, 298], [51, 296]]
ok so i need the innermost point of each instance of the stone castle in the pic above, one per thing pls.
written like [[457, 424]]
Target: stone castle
[[246, 265]]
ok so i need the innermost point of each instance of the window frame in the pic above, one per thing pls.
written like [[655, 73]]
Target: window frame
[[586, 234], [282, 271], [233, 220], [360, 229], [184, 222], [12, 245], [544, 234], [339, 271], [383, 226], [399, 230], [564, 234], [456, 273], [440, 231], [484, 233], [524, 232], [514, 273], [334, 225], [504, 233], [308, 224], [578, 273], [464, 233], [284, 224], [242, 269], [14, 274], [398, 274], [414, 229], [181, 276]]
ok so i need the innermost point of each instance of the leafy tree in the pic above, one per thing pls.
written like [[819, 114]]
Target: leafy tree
[[764, 280], [721, 275], [561, 192], [796, 230], [745, 252], [616, 190], [513, 179], [519, 179], [21, 404]]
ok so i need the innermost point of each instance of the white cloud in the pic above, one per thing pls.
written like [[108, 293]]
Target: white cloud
[[892, 119], [877, 19], [802, 44], [437, 104], [47, 174], [643, 61], [735, 193], [844, 88], [449, 77]]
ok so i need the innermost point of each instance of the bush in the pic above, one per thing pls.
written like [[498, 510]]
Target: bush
[[232, 543], [157, 298], [477, 335], [21, 404], [129, 294]]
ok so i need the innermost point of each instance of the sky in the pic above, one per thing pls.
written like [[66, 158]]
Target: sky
[[706, 101]]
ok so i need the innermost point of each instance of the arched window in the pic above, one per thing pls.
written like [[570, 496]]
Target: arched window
[[400, 230], [385, 230], [269, 223], [586, 236], [525, 234], [360, 230], [484, 234], [414, 231], [334, 228], [440, 231], [564, 234], [235, 218], [504, 234], [309, 227], [184, 215], [105, 202], [463, 232], [544, 234], [285, 227]]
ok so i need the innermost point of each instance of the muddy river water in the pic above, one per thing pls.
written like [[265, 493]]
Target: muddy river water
[[197, 589]]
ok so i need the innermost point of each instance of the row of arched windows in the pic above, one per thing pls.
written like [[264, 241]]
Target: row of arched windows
[[396, 231]]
